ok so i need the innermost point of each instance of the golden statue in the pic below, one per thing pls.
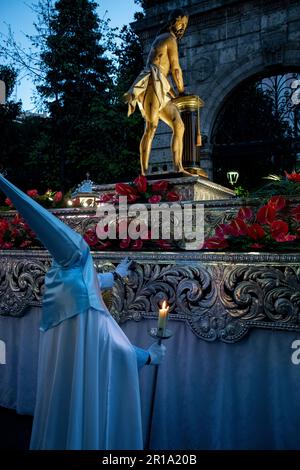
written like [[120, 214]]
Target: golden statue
[[153, 93]]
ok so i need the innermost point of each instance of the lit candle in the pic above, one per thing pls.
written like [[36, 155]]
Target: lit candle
[[162, 317]]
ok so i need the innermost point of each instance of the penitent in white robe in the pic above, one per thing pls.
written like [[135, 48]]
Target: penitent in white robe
[[88, 390]]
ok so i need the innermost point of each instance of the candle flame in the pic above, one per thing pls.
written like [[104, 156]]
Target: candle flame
[[165, 306]]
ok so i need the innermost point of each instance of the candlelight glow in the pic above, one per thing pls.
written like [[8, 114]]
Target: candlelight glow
[[163, 316]]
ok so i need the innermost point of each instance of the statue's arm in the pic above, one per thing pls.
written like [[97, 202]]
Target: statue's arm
[[174, 65]]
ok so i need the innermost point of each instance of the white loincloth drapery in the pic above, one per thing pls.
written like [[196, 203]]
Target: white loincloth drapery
[[161, 87]]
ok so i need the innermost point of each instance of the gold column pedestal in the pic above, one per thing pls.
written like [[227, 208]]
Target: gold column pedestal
[[189, 108]]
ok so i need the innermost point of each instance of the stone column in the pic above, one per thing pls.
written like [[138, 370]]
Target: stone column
[[189, 108]]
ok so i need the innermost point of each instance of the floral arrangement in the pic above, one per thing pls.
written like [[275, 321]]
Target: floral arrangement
[[16, 233], [144, 242], [140, 190], [294, 176], [48, 199], [22, 237], [275, 226], [143, 191]]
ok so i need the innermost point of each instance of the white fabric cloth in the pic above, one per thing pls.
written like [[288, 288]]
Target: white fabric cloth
[[161, 86], [88, 392], [87, 388]]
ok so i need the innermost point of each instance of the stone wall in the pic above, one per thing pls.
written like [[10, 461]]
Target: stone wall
[[226, 42]]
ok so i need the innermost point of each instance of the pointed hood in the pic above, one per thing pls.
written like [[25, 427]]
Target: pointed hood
[[66, 246]]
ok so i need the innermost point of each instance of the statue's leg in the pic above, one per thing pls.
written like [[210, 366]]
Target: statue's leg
[[171, 116], [151, 113]]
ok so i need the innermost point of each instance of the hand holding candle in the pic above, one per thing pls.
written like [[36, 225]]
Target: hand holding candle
[[162, 318], [156, 352]]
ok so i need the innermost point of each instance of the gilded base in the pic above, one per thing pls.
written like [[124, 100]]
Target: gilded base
[[196, 171]]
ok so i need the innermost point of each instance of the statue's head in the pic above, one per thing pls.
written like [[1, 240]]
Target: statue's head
[[178, 21]]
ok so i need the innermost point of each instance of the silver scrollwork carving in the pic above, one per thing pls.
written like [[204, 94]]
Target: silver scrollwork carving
[[189, 291], [21, 284], [263, 294], [220, 296]]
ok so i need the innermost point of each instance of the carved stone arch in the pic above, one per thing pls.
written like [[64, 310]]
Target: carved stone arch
[[229, 80], [224, 83], [226, 80]]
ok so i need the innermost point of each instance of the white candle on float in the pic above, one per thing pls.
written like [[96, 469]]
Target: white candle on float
[[162, 317]]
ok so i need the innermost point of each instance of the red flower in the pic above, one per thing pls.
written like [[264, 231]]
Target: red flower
[[33, 193], [141, 183], [237, 228], [266, 214], [7, 246], [31, 234], [15, 233], [137, 244], [215, 242], [245, 213], [160, 186], [8, 202], [4, 226], [125, 243], [18, 220], [25, 244], [154, 199], [293, 176], [285, 237], [163, 244], [256, 232], [172, 196], [132, 198], [103, 245], [277, 203], [108, 197], [279, 228], [91, 237], [26, 226], [222, 230], [124, 189], [57, 196], [140, 187]]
